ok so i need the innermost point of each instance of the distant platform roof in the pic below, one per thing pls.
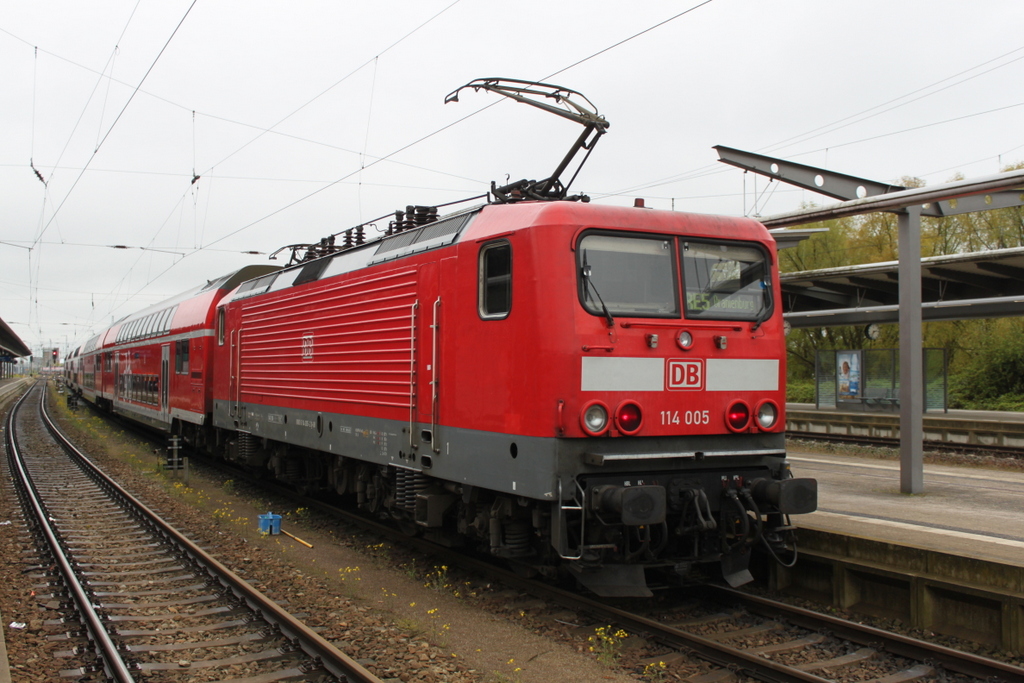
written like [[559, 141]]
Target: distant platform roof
[[987, 284], [10, 344]]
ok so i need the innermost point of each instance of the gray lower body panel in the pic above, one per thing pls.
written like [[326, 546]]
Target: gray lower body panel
[[532, 467]]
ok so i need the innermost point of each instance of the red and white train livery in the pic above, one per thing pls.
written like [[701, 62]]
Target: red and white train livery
[[570, 386]]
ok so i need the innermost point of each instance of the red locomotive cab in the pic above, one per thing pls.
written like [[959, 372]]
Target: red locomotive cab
[[615, 323], [679, 332], [650, 345]]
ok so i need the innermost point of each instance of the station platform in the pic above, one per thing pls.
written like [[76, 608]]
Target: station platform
[[964, 511], [986, 429], [960, 415]]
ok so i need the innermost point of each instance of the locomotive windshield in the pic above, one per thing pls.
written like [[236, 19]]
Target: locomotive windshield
[[636, 276], [630, 276], [725, 281]]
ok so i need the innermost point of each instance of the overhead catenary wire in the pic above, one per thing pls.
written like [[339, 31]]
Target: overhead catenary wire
[[106, 94], [399, 150], [262, 129], [101, 75], [116, 119], [896, 102], [338, 82], [458, 121], [213, 223], [632, 37], [712, 169], [363, 166], [366, 138], [32, 144]]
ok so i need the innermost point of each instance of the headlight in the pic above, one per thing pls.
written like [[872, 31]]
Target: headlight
[[685, 340], [767, 415], [594, 418]]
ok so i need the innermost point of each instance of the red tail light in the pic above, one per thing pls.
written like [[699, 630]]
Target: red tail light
[[629, 418], [737, 417]]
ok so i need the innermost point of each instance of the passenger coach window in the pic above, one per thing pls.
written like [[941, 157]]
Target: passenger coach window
[[631, 276], [496, 280], [726, 281]]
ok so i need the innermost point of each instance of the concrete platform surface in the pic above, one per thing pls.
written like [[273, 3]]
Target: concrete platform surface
[[965, 511]]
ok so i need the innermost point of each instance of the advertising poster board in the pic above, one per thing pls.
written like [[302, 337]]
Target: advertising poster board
[[848, 374]]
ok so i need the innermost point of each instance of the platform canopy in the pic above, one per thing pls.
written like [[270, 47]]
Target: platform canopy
[[10, 344], [908, 291], [987, 284]]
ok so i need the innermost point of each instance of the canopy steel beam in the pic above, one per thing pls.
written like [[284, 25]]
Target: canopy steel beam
[[961, 309], [828, 183], [959, 190], [864, 196]]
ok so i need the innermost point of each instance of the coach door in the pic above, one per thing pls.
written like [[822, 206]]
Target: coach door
[[165, 380]]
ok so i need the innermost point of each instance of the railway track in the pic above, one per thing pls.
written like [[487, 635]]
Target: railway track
[[725, 633], [735, 634], [145, 601], [893, 442]]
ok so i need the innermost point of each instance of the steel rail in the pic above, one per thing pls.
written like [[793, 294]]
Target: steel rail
[[717, 653], [758, 667], [989, 670], [894, 643], [115, 667], [892, 442], [708, 650], [311, 643]]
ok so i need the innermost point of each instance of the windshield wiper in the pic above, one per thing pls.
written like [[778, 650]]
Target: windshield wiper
[[591, 287], [766, 302]]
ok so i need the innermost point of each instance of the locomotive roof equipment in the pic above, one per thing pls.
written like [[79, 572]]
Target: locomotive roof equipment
[[585, 114]]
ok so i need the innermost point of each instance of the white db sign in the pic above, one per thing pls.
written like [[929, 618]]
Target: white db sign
[[685, 374]]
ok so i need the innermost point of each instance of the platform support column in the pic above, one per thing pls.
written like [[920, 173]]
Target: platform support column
[[911, 354]]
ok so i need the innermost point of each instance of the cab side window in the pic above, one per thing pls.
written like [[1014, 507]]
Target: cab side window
[[495, 280]]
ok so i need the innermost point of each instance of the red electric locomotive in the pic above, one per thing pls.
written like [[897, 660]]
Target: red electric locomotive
[[569, 386]]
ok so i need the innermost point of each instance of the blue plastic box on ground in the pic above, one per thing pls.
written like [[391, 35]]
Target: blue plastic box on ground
[[270, 523]]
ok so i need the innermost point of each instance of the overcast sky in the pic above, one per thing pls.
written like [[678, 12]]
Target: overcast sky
[[307, 117]]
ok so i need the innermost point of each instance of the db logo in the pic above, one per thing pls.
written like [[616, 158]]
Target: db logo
[[307, 347], [685, 374]]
